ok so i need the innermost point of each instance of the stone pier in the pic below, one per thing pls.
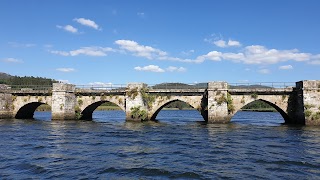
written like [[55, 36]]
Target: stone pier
[[63, 101], [217, 102], [136, 109]]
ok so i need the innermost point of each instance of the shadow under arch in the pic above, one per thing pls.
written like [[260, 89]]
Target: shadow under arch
[[27, 111], [284, 115], [154, 115], [86, 114]]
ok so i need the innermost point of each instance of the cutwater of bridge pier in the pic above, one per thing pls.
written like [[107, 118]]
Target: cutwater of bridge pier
[[217, 102]]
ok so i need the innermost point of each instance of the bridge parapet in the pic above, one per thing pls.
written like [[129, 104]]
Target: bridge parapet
[[261, 90]]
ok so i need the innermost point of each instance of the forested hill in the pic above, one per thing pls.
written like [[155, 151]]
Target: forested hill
[[26, 80]]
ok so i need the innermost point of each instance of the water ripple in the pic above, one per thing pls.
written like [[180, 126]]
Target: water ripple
[[175, 147]]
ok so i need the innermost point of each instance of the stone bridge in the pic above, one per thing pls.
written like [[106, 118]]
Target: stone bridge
[[217, 102]]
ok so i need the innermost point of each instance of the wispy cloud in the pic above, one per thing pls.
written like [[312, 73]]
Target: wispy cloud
[[88, 51], [68, 28], [149, 52], [140, 50], [286, 67], [264, 71], [315, 59], [88, 23], [154, 68], [21, 45], [12, 60], [187, 53], [176, 69], [65, 69], [141, 14]]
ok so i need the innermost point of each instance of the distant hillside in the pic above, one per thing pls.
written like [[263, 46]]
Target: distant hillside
[[249, 87], [26, 80], [180, 86], [5, 75]]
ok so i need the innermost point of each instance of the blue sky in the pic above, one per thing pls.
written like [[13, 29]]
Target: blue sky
[[121, 41]]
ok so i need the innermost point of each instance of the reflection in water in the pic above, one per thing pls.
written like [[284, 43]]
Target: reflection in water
[[252, 146]]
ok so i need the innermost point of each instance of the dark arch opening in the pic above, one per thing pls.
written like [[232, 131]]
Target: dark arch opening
[[262, 107], [28, 111], [87, 113], [178, 105]]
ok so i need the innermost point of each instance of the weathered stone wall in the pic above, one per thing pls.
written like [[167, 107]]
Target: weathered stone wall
[[217, 102], [311, 102], [63, 101]]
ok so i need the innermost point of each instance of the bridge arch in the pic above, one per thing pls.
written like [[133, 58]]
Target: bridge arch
[[86, 113], [196, 104], [27, 110], [278, 108]]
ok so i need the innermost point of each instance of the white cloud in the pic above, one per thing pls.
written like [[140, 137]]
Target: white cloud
[[233, 43], [264, 71], [151, 68], [12, 60], [176, 69], [87, 22], [213, 55], [154, 68], [88, 51], [223, 44], [68, 28], [258, 55], [65, 69], [286, 67], [220, 43], [140, 50]]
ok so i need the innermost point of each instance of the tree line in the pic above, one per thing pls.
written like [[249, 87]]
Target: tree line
[[26, 80]]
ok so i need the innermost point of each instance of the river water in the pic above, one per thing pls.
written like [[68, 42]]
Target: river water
[[253, 146]]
